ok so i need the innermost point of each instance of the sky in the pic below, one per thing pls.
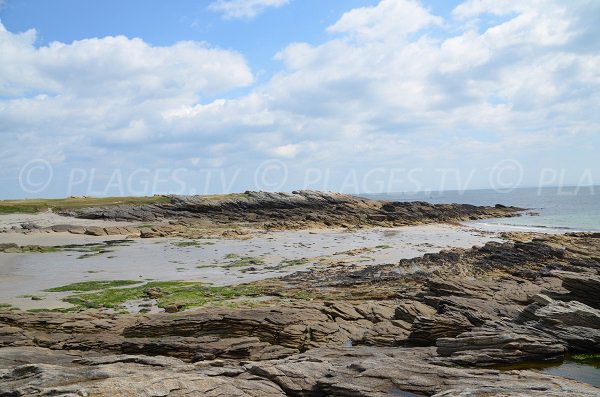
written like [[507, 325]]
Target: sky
[[145, 97]]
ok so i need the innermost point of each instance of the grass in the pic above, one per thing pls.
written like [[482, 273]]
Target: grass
[[92, 286], [32, 206], [5, 305], [181, 293], [383, 246]]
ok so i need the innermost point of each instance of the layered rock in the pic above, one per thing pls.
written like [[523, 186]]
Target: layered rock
[[363, 371], [504, 303], [297, 209]]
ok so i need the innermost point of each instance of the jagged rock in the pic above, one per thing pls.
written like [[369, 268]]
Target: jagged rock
[[297, 209], [575, 323], [426, 330], [385, 372], [486, 347], [582, 287], [360, 371]]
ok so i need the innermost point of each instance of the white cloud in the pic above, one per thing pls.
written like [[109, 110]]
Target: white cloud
[[381, 91], [131, 67], [244, 9], [389, 20]]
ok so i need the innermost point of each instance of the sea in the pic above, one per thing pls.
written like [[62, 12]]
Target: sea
[[563, 208], [569, 208]]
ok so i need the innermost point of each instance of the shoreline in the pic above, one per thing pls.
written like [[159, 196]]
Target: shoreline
[[334, 246], [354, 298]]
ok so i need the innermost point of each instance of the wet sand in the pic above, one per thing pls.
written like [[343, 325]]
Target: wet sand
[[213, 260]]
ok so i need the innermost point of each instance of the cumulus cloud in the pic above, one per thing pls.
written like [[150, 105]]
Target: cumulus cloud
[[74, 101], [381, 91], [103, 67], [244, 9], [390, 19]]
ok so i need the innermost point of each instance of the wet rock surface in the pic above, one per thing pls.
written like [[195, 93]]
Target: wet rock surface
[[429, 326]]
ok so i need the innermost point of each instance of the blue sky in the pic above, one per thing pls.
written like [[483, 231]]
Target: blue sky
[[144, 97]]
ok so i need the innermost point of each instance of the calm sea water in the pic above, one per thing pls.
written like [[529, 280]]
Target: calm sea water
[[570, 208]]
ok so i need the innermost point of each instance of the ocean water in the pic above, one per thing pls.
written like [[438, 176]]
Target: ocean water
[[569, 208]]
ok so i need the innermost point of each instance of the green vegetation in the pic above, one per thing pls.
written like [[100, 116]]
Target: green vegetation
[[383, 246], [180, 293], [231, 256], [245, 261], [31, 206], [56, 310], [5, 305], [192, 243], [294, 262], [90, 250], [92, 285], [588, 359]]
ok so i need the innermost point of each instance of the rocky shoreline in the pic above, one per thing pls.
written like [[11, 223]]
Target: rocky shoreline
[[436, 325], [239, 215]]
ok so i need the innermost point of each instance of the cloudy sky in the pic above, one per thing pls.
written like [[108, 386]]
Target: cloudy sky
[[142, 97]]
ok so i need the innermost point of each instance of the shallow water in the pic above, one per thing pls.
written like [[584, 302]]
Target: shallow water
[[586, 373], [576, 371], [208, 260]]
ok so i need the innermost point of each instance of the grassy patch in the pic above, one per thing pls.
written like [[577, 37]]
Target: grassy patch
[[245, 261], [5, 305], [383, 246], [181, 293], [30, 206], [92, 286]]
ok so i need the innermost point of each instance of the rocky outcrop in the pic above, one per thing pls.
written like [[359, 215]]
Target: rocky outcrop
[[582, 286], [298, 209], [500, 343], [257, 334], [361, 372], [406, 327]]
